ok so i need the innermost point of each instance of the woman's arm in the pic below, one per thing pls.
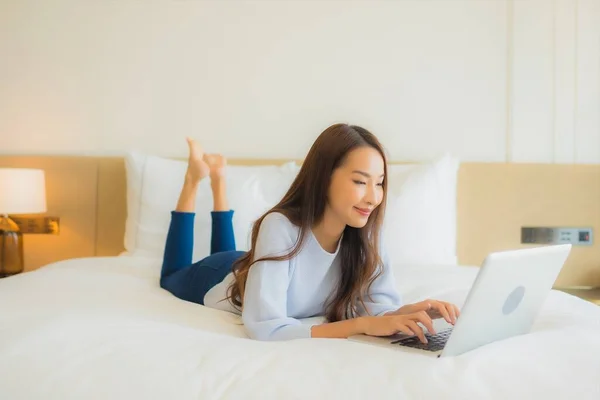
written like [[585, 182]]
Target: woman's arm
[[376, 326], [265, 306], [339, 329]]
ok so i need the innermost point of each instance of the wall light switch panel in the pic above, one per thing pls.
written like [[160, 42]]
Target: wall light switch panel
[[557, 235]]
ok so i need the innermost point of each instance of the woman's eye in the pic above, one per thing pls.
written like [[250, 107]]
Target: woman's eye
[[360, 182], [380, 184]]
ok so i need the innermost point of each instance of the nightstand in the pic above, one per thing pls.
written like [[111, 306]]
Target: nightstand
[[588, 293], [7, 275]]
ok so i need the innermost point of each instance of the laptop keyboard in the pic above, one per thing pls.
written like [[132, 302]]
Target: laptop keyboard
[[434, 342]]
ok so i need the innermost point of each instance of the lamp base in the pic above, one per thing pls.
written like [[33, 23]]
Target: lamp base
[[11, 247]]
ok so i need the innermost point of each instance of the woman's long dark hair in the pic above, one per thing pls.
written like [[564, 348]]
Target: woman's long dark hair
[[304, 205]]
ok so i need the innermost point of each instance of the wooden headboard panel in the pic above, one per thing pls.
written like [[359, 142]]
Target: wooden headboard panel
[[494, 200]]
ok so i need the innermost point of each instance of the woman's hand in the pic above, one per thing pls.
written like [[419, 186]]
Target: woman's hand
[[387, 325], [434, 308]]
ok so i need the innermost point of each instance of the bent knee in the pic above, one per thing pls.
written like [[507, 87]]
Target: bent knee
[[163, 282]]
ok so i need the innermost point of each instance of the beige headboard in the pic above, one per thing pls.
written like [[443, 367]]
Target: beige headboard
[[494, 201]]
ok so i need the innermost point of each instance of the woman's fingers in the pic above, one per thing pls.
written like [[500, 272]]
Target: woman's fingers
[[456, 310], [452, 311], [443, 310], [413, 326], [423, 318], [422, 306], [405, 329]]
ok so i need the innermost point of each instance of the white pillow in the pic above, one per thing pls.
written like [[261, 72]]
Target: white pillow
[[419, 226], [153, 187], [420, 220]]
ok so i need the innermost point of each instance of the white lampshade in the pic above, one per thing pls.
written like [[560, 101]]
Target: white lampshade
[[22, 191]]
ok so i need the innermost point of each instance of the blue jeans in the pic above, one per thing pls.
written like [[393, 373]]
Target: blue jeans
[[190, 281]]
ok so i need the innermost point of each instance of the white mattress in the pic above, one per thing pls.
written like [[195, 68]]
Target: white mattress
[[101, 328]]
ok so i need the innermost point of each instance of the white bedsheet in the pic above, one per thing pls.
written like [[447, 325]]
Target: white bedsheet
[[101, 328]]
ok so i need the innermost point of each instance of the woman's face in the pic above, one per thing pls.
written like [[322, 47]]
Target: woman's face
[[356, 187]]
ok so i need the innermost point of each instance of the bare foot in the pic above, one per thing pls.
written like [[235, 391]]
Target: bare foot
[[217, 164], [197, 168]]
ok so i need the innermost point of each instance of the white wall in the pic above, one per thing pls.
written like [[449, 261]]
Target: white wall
[[488, 80], [555, 80]]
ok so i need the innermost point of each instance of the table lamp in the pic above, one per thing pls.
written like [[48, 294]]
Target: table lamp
[[22, 191]]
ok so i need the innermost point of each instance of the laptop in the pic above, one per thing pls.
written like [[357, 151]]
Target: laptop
[[505, 298]]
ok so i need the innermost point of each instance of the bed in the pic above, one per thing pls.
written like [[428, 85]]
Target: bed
[[102, 328]]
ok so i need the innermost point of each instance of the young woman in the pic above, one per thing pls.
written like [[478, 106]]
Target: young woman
[[316, 253]]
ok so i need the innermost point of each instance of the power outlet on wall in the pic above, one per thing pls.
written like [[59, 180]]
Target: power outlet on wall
[[39, 225], [557, 235]]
